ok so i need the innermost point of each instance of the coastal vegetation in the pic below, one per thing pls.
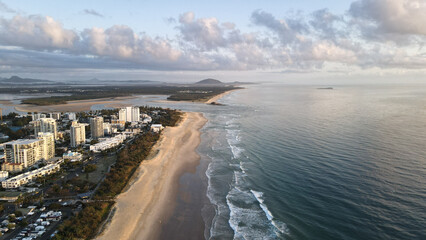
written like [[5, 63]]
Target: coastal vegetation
[[197, 92], [85, 223], [54, 100], [13, 135], [198, 96], [127, 162]]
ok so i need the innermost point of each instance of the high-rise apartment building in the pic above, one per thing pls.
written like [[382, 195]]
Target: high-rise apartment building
[[129, 114], [45, 125], [78, 133], [48, 145], [24, 153], [97, 127]]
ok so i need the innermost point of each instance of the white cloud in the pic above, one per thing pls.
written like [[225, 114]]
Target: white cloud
[[35, 32]]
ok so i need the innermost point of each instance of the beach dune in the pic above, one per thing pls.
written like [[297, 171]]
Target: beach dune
[[149, 201]]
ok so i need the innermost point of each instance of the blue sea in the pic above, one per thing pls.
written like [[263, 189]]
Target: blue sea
[[297, 162]]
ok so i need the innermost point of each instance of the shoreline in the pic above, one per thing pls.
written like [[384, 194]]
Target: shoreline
[[208, 101], [85, 105], [143, 208], [70, 106], [219, 96]]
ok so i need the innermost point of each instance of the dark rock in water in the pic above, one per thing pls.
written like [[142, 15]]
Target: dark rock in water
[[217, 104]]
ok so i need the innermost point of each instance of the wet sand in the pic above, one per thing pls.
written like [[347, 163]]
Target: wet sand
[[142, 210]]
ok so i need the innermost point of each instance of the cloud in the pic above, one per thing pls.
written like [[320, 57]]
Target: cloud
[[372, 34], [204, 33], [93, 13], [36, 32], [5, 8], [288, 30], [401, 21]]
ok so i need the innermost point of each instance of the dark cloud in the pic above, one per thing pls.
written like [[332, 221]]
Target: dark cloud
[[93, 13], [5, 8]]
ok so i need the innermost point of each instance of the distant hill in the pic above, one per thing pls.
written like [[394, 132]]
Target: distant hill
[[209, 81], [19, 80]]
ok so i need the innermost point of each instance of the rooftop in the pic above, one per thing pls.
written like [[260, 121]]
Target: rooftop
[[23, 141]]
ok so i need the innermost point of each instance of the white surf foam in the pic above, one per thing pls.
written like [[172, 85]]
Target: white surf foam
[[280, 226]]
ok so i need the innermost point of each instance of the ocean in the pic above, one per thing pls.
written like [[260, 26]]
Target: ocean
[[297, 162]]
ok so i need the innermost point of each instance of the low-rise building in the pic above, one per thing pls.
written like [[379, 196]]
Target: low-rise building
[[71, 116], [117, 124], [156, 127], [107, 128], [12, 167], [107, 143], [3, 137], [73, 156], [4, 175], [25, 178], [55, 115]]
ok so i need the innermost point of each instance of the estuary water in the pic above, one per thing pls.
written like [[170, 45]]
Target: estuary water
[[297, 162]]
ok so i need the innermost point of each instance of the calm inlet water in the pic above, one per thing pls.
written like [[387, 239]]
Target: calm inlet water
[[296, 162]]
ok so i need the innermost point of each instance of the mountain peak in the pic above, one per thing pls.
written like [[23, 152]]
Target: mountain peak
[[210, 81]]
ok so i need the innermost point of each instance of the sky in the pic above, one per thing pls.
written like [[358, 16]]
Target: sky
[[239, 40]]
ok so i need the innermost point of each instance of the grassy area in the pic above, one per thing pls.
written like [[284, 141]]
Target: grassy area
[[102, 167]]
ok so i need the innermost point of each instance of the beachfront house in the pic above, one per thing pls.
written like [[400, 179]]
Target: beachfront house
[[156, 128]]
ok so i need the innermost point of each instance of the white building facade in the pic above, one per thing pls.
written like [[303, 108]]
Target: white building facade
[[45, 125], [108, 143], [25, 178], [77, 134], [129, 114], [25, 152], [47, 145]]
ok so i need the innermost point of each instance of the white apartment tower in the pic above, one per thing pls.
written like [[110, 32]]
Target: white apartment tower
[[48, 145], [97, 127], [26, 152], [45, 125], [78, 133], [129, 114]]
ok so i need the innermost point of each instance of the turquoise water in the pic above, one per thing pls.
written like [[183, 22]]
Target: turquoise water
[[297, 162]]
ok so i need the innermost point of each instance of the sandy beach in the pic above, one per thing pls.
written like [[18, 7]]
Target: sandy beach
[[149, 201], [217, 97]]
